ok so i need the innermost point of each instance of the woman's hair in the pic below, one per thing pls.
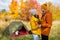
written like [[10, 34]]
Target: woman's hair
[[33, 11]]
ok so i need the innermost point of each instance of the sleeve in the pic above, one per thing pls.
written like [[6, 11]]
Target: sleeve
[[33, 24]]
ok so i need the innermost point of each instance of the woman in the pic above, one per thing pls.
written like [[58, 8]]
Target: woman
[[36, 31]]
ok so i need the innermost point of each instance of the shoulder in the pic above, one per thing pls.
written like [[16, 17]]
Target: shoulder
[[48, 12]]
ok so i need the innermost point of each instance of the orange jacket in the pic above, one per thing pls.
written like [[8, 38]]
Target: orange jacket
[[46, 23], [34, 26]]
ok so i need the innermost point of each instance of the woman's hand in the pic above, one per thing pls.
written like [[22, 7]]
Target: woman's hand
[[39, 25]]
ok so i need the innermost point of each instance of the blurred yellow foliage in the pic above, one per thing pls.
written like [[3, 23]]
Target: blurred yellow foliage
[[13, 7]]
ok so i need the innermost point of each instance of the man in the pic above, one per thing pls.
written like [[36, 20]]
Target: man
[[46, 23], [36, 31]]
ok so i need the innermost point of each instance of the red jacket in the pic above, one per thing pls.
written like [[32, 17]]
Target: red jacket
[[46, 23]]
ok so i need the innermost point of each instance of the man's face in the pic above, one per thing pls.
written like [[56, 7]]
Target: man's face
[[43, 11]]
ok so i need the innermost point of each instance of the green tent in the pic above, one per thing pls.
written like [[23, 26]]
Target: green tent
[[13, 27]]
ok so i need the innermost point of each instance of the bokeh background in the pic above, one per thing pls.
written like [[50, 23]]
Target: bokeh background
[[11, 11]]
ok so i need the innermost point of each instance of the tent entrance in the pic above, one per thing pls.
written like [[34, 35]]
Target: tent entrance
[[21, 32]]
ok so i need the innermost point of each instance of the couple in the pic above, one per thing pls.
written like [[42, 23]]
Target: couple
[[41, 26]]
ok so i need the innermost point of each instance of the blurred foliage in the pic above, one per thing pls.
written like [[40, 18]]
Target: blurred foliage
[[20, 14], [14, 6], [3, 10], [55, 10], [23, 13]]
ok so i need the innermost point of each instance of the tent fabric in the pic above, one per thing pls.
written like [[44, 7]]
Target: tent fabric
[[27, 25], [13, 27]]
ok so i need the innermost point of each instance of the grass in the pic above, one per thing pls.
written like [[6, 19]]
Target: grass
[[26, 37], [54, 34]]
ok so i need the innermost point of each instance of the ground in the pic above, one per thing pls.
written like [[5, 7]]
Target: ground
[[54, 34]]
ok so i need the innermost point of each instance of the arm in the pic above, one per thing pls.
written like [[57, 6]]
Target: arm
[[33, 23]]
